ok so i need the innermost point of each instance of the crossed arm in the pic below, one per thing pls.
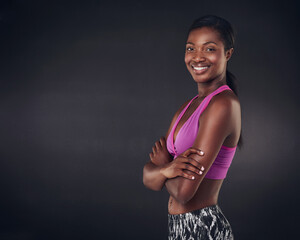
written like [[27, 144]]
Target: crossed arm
[[182, 175], [161, 168]]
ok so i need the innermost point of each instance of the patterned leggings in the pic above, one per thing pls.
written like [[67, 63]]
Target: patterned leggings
[[208, 223]]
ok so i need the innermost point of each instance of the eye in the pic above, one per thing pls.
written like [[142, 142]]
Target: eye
[[189, 49], [210, 49]]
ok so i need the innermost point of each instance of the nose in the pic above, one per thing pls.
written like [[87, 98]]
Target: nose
[[198, 57]]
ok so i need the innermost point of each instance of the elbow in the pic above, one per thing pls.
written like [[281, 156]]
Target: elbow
[[148, 182], [151, 187]]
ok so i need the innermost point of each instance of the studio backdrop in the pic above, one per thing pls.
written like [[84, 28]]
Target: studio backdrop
[[87, 87]]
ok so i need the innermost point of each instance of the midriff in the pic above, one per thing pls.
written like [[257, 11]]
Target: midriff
[[206, 195]]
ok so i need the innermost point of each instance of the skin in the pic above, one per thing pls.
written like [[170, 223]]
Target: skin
[[219, 124]]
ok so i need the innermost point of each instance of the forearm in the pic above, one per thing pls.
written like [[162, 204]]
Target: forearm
[[172, 186], [183, 189], [152, 177]]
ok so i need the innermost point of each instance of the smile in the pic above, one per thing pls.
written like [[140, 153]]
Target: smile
[[198, 69]]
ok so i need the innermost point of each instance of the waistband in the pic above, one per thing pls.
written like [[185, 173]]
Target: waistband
[[198, 212]]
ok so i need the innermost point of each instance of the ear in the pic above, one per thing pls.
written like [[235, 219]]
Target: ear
[[229, 53]]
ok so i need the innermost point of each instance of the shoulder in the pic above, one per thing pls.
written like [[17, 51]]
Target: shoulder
[[224, 105], [225, 101]]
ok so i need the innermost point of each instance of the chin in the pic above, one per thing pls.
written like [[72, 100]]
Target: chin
[[201, 79], [206, 78]]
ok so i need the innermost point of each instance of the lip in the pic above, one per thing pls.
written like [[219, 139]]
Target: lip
[[199, 69]]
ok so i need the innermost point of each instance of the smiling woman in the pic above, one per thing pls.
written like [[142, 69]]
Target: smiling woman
[[202, 138], [204, 58]]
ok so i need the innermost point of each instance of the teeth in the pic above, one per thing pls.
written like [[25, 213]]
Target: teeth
[[199, 68]]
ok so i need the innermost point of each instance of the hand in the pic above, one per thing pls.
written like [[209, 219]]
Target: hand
[[183, 162], [160, 154]]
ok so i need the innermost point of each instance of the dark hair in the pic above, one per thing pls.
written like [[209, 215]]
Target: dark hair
[[224, 28]]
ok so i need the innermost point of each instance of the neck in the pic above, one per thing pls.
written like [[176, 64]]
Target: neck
[[206, 88]]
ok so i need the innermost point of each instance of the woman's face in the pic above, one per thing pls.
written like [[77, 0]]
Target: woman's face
[[205, 57]]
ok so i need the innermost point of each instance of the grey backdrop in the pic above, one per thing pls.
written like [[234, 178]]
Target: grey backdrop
[[86, 89]]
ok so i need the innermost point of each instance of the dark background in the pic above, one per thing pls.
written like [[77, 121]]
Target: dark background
[[87, 87]]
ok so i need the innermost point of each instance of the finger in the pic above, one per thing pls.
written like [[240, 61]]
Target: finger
[[192, 169], [158, 146], [196, 164], [154, 150], [199, 151], [162, 142], [151, 156], [189, 160], [182, 159], [191, 151], [188, 176]]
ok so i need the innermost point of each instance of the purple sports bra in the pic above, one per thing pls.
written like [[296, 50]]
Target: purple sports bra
[[188, 133]]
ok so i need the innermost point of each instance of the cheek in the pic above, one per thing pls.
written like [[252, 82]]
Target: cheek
[[215, 58], [218, 60], [187, 59]]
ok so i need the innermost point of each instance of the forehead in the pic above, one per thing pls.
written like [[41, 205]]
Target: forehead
[[203, 35]]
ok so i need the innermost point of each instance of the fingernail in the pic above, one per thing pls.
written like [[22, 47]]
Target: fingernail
[[201, 153], [200, 172], [202, 168], [193, 177]]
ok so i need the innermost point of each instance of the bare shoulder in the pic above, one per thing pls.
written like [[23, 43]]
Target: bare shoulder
[[224, 107], [225, 101]]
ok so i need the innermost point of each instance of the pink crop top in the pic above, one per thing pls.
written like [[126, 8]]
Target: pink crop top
[[188, 133]]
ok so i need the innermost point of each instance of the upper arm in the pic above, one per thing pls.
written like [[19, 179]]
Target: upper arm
[[216, 123]]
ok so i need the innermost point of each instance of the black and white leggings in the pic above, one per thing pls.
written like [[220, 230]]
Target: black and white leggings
[[208, 223]]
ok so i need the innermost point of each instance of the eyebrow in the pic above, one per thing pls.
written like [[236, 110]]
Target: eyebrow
[[203, 43]]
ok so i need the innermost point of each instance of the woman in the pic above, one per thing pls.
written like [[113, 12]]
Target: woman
[[211, 121]]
